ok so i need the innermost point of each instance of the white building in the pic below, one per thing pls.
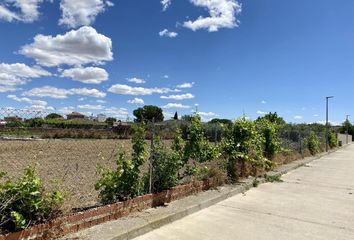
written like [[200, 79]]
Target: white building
[[101, 118]]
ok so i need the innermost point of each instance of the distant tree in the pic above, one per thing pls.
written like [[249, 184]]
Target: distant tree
[[53, 116], [186, 118], [347, 126], [176, 116], [148, 113], [110, 121], [227, 122], [273, 118]]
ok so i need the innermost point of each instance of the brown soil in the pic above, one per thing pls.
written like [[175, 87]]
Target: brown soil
[[71, 163]]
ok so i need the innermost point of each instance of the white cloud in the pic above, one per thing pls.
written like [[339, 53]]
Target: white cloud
[[176, 105], [53, 92], [128, 90], [316, 115], [261, 112], [101, 101], [263, 102], [13, 75], [20, 10], [4, 89], [120, 113], [76, 47], [33, 104], [207, 114], [298, 117], [81, 13], [166, 33], [90, 75], [136, 80], [179, 97], [185, 85], [165, 76], [137, 101], [222, 15], [91, 107], [165, 4], [66, 110]]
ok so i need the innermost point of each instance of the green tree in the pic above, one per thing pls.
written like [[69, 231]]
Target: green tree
[[274, 118], [110, 121], [226, 122], [347, 126], [54, 116], [148, 113], [175, 117]]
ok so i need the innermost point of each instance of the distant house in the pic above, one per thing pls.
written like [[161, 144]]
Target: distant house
[[75, 115], [101, 118], [13, 119]]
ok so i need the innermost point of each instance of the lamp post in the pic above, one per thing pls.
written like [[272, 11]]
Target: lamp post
[[327, 124], [347, 130]]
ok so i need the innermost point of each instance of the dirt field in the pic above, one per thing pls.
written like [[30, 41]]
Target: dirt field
[[72, 163]]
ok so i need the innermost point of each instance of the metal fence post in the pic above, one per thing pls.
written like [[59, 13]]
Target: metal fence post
[[152, 150]]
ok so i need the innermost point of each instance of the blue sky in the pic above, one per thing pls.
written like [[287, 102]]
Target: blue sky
[[229, 57]]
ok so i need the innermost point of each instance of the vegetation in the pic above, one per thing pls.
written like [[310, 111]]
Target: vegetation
[[243, 145], [269, 132], [24, 202], [124, 182], [148, 113], [313, 144], [197, 147], [332, 139], [226, 122], [54, 116], [274, 178], [110, 121]]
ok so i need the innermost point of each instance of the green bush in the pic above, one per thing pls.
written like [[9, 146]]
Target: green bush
[[243, 144], [197, 147], [313, 144], [124, 182], [332, 139], [24, 202], [166, 165], [269, 131]]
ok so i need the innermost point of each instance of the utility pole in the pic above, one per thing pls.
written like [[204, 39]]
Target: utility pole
[[327, 123], [347, 131]]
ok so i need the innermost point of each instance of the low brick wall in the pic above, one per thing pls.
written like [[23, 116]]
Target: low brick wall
[[82, 220]]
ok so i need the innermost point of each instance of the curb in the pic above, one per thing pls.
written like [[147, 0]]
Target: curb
[[238, 189]]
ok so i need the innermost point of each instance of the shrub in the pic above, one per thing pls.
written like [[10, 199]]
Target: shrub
[[243, 144], [313, 144], [24, 202], [269, 130], [166, 165], [332, 139], [124, 182], [197, 146]]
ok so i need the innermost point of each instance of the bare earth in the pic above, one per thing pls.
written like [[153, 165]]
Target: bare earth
[[71, 163]]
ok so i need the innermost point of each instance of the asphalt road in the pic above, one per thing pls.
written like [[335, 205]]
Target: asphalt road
[[313, 202]]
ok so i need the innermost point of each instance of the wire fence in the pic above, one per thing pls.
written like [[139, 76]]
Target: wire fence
[[72, 163]]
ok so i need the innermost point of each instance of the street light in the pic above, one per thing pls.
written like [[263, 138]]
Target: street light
[[327, 124]]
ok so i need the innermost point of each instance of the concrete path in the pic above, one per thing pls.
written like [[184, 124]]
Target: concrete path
[[313, 202]]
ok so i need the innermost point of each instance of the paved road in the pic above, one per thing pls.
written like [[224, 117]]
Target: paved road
[[313, 202]]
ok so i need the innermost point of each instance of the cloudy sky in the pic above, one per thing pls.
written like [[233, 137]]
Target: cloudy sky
[[227, 57]]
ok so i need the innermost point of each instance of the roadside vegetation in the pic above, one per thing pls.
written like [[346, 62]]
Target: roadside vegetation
[[231, 151]]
